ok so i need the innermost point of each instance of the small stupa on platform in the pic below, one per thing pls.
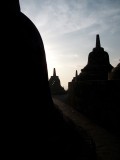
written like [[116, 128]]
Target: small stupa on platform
[[55, 84]]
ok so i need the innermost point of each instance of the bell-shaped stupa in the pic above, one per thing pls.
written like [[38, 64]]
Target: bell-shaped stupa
[[55, 84], [98, 65]]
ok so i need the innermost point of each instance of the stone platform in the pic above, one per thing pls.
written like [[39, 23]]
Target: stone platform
[[107, 145]]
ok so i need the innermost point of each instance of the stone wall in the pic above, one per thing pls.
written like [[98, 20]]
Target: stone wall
[[99, 100]]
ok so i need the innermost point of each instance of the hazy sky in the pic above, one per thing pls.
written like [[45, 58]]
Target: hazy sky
[[68, 29]]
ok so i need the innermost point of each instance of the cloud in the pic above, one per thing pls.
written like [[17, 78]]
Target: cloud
[[55, 17]]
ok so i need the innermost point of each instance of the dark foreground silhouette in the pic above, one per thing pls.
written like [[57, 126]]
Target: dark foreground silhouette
[[32, 125]]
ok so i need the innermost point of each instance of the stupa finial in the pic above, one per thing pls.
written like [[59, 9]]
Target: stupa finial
[[54, 72], [76, 73], [98, 45]]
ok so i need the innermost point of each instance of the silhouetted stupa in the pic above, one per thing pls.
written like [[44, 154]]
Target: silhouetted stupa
[[96, 89], [98, 65], [75, 78], [32, 126], [55, 84], [72, 83]]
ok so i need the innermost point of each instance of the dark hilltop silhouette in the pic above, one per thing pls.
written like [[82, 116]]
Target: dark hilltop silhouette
[[33, 127]]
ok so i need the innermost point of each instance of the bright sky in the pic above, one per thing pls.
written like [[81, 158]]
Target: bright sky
[[68, 29]]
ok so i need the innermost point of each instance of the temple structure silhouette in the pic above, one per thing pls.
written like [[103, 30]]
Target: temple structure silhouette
[[95, 91], [98, 65], [55, 84], [76, 76], [33, 127]]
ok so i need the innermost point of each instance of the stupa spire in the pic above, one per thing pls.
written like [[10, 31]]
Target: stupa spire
[[98, 45], [54, 72], [76, 73]]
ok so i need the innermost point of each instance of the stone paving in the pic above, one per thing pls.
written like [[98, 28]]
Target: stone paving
[[107, 144]]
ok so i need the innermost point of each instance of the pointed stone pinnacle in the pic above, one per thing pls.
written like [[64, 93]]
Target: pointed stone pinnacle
[[54, 72], [98, 45]]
